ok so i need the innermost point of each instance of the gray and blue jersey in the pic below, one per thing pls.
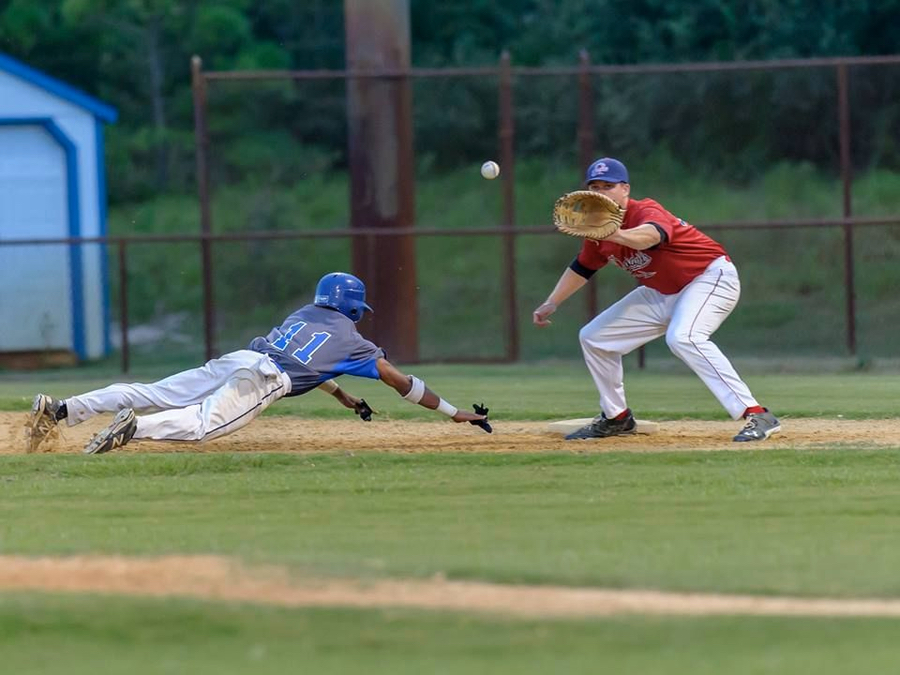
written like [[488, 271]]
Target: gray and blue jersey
[[315, 344]]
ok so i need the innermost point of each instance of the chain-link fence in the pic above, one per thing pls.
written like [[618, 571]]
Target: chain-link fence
[[793, 165]]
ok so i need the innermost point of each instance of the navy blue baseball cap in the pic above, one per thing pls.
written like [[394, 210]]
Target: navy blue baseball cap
[[607, 169]]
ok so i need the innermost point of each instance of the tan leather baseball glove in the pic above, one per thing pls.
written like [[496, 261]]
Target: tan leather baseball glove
[[585, 213]]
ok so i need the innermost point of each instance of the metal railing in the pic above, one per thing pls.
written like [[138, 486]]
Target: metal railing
[[505, 72], [511, 338], [509, 230]]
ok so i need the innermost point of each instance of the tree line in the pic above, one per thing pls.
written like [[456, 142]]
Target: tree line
[[135, 55]]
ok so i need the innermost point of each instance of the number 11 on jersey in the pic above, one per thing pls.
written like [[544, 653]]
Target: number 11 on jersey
[[305, 353]]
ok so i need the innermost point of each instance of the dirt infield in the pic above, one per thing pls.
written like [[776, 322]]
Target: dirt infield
[[220, 579], [289, 434]]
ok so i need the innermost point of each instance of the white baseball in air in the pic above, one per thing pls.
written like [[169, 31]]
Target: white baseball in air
[[490, 170]]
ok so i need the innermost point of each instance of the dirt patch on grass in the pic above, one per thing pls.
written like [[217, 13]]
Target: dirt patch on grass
[[290, 434], [215, 578]]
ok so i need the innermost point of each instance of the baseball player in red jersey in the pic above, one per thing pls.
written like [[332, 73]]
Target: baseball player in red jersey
[[687, 286]]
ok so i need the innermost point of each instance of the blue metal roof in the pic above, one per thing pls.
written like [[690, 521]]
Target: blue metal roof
[[98, 108]]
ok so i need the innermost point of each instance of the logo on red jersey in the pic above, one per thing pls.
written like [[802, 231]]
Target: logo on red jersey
[[634, 264]]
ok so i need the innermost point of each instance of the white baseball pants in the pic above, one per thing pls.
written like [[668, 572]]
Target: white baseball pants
[[687, 319], [201, 404]]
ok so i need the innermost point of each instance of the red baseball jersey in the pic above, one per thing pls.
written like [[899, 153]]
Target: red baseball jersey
[[667, 267]]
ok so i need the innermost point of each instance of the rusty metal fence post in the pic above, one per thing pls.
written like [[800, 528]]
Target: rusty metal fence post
[[507, 161], [381, 167], [123, 305], [201, 136], [586, 145], [847, 209]]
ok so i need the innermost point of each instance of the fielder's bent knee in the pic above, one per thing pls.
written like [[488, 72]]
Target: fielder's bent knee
[[594, 342], [584, 336], [680, 342], [677, 339]]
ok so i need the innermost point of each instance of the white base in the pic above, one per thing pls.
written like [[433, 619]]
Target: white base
[[568, 426]]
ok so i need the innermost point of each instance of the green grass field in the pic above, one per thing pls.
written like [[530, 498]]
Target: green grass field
[[805, 522], [546, 390], [87, 636], [90, 636]]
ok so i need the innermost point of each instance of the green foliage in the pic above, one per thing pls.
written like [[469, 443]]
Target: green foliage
[[136, 55], [219, 29], [23, 22]]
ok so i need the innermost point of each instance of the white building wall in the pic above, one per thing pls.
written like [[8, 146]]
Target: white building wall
[[33, 204], [21, 99]]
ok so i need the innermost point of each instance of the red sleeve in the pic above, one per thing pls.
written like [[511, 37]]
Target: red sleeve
[[648, 211], [592, 255]]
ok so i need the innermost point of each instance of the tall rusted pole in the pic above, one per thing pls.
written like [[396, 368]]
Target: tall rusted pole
[[585, 111], [586, 146], [507, 163], [123, 306], [201, 142], [380, 138], [846, 180]]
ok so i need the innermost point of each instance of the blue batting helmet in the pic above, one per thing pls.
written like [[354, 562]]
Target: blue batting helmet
[[343, 292]]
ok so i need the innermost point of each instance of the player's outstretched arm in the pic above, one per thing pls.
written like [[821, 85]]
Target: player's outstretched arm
[[414, 390], [568, 283], [357, 405], [639, 238]]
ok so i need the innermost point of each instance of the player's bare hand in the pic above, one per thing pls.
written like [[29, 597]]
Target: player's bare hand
[[347, 400], [463, 416], [541, 313], [479, 418]]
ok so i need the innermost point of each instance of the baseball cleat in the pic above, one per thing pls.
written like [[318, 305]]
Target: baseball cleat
[[42, 421], [118, 433], [603, 427], [759, 427]]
